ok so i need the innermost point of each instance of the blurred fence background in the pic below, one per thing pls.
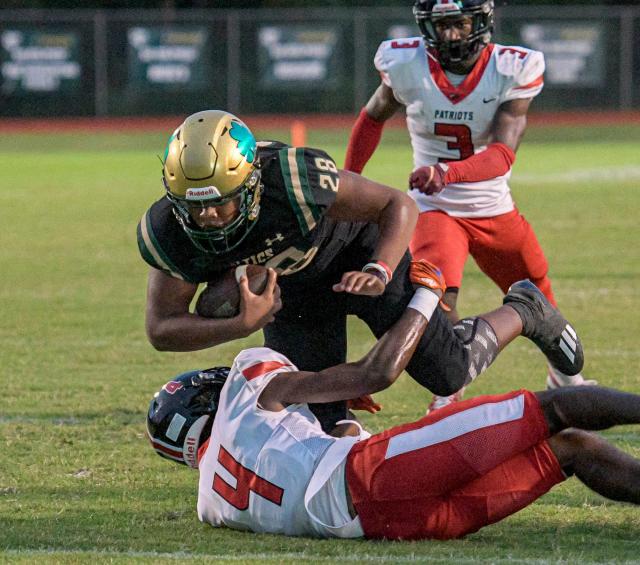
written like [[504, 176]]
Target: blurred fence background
[[146, 62]]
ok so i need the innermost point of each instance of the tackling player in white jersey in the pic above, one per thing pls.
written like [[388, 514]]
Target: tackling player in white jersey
[[466, 102], [267, 466]]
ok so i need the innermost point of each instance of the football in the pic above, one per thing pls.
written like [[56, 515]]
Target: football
[[221, 298]]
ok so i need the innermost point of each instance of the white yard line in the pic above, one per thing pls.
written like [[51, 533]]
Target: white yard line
[[623, 173]]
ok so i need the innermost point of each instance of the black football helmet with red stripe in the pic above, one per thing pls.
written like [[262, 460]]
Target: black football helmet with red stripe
[[181, 414], [428, 12]]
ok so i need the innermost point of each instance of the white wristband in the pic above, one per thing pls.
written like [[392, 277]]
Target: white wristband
[[378, 268], [424, 301]]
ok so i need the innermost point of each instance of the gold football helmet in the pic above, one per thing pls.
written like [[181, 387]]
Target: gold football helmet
[[210, 160]]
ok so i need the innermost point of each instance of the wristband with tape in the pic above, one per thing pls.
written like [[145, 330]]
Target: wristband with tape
[[424, 301], [379, 267]]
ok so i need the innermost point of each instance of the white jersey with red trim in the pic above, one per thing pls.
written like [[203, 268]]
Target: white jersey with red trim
[[262, 469], [450, 123]]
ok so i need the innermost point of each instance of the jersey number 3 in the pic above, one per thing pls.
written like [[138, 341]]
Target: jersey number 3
[[463, 142], [246, 481]]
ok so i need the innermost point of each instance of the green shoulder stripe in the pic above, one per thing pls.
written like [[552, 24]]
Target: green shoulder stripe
[[294, 173], [151, 251]]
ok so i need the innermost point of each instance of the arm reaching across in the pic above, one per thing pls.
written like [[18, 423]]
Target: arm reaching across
[[378, 369]]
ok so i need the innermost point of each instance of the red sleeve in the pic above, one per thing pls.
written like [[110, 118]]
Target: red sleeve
[[494, 161], [365, 136]]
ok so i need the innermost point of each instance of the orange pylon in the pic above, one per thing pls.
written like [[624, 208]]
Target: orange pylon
[[298, 133]]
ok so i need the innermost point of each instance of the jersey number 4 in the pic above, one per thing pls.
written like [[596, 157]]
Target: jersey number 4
[[463, 142], [246, 481]]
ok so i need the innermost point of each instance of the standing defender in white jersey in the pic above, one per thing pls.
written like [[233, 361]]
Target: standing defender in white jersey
[[267, 466], [466, 102]]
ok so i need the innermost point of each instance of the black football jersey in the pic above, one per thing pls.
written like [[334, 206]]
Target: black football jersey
[[291, 233]]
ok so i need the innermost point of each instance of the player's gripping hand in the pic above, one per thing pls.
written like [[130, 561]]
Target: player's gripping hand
[[429, 180], [427, 275], [359, 282], [364, 402], [257, 310]]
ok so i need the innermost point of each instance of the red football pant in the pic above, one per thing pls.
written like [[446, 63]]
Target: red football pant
[[504, 247], [462, 467]]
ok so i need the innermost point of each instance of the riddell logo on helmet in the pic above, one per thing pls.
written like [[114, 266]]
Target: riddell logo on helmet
[[172, 387], [203, 193], [190, 453]]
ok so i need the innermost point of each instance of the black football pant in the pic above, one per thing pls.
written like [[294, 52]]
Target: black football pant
[[311, 327]]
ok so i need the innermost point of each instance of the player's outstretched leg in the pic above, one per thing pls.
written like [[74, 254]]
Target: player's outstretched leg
[[598, 464], [556, 375], [546, 327], [482, 337], [588, 408], [601, 466], [529, 313], [525, 311]]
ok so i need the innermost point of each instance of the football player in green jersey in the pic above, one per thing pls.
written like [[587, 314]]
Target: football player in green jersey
[[337, 241]]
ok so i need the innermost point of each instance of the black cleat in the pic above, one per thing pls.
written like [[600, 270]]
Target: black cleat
[[546, 327]]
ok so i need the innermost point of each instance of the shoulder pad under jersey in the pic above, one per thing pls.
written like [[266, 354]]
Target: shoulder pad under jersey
[[523, 68], [159, 235], [395, 52], [256, 362]]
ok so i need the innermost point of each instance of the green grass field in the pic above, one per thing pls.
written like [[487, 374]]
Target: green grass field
[[78, 481]]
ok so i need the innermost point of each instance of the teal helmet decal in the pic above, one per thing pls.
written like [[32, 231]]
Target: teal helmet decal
[[245, 139], [166, 151]]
